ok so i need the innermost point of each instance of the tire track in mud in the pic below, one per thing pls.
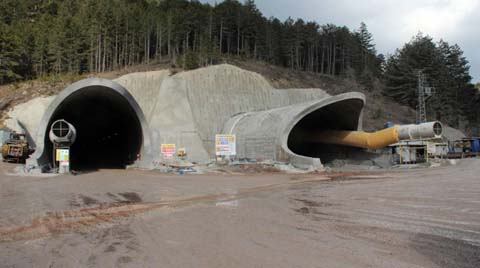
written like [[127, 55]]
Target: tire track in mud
[[82, 220]]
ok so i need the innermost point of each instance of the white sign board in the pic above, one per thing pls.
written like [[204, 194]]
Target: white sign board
[[63, 155], [225, 145], [168, 151]]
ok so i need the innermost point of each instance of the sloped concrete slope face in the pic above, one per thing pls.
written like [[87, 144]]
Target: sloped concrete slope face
[[111, 127], [191, 107], [25, 117], [217, 93], [168, 112], [145, 88]]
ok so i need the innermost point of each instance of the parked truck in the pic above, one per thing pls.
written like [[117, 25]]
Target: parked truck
[[16, 148]]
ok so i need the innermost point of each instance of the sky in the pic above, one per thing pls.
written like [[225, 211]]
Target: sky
[[392, 22]]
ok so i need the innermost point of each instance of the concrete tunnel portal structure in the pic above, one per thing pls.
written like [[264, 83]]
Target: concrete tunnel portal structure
[[134, 115], [343, 114], [289, 129], [117, 121], [110, 125]]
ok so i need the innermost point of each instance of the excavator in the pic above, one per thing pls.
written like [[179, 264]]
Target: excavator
[[16, 148]]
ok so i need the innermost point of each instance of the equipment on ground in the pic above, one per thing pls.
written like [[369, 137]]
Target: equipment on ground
[[62, 134], [16, 148], [466, 147]]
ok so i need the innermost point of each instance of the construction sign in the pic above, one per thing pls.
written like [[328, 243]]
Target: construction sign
[[63, 155], [168, 151], [225, 145]]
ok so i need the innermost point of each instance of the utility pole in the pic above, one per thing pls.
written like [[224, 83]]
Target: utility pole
[[424, 92]]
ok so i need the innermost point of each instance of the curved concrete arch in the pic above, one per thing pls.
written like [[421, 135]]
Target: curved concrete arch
[[305, 161], [40, 157], [265, 134]]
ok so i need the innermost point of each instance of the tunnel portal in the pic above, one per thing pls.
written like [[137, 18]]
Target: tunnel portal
[[109, 133], [111, 130], [341, 115]]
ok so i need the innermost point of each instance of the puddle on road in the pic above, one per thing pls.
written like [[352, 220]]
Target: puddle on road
[[311, 203], [312, 207], [303, 210], [82, 200], [131, 197], [125, 198], [230, 204], [88, 200]]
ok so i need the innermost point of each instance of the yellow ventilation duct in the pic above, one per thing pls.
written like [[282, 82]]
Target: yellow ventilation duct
[[379, 139]]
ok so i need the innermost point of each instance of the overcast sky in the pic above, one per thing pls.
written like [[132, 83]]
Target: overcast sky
[[392, 22]]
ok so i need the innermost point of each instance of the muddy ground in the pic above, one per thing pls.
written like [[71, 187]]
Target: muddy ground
[[115, 218]]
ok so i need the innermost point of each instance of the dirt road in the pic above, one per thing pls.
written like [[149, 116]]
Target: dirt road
[[113, 218]]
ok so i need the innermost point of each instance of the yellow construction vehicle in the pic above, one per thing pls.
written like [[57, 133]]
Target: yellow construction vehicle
[[16, 148]]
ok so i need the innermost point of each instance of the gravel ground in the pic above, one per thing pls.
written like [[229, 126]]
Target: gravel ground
[[114, 218]]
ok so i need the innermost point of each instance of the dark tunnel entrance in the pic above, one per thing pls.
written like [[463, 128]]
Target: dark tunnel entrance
[[109, 132], [341, 115]]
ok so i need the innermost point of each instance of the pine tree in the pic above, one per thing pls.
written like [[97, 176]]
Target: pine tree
[[447, 71], [365, 38], [10, 54], [402, 68]]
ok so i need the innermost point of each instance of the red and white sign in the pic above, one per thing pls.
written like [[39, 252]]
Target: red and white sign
[[168, 151]]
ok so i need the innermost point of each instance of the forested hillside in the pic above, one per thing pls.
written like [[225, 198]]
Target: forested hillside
[[50, 37], [40, 37], [455, 99]]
